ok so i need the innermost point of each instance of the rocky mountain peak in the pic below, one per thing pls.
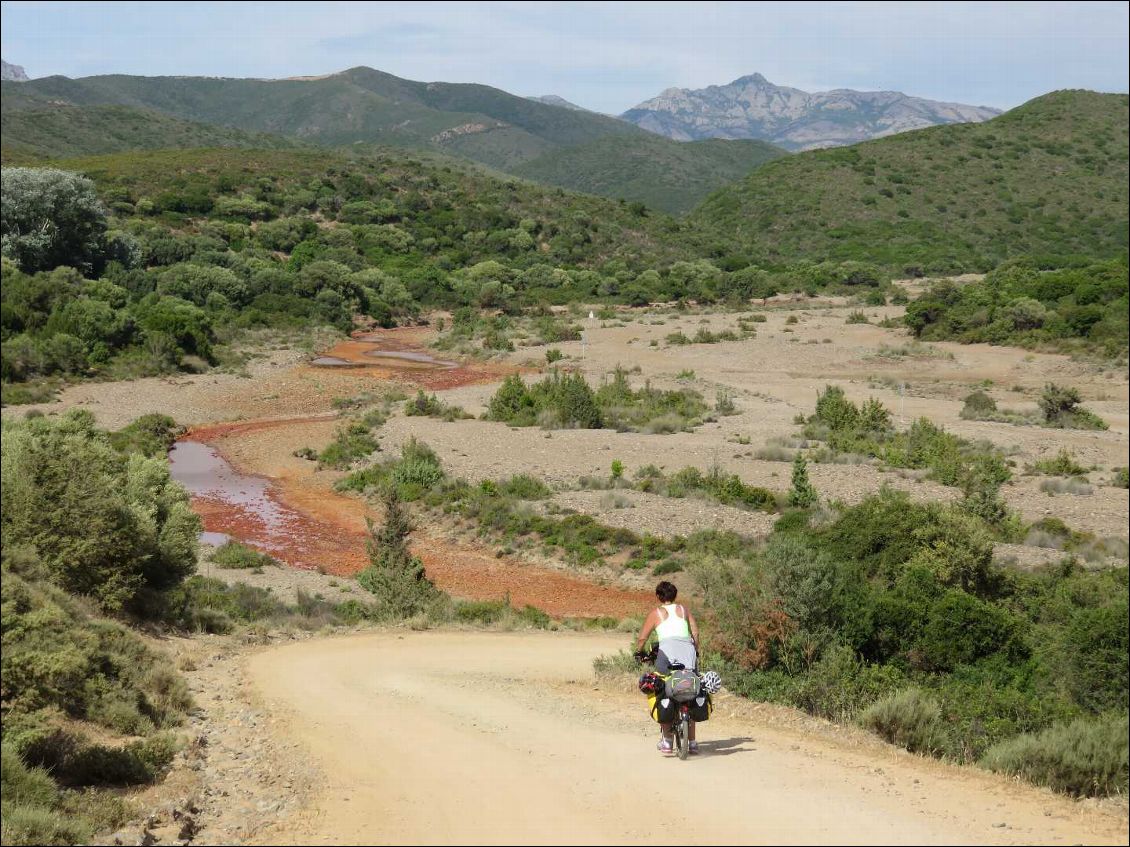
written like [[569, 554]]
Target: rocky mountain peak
[[12, 73], [753, 107]]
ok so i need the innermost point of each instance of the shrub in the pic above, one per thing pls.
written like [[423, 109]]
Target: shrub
[[1061, 408], [1121, 478], [801, 494], [979, 406], [1097, 650], [961, 629], [149, 435], [239, 556], [394, 575], [560, 401], [1085, 758], [1065, 486], [35, 811], [352, 442], [1063, 464], [524, 487], [858, 317], [102, 524], [911, 719], [839, 686], [51, 218], [724, 403]]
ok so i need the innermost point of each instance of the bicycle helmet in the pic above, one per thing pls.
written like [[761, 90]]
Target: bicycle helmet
[[651, 683], [712, 682]]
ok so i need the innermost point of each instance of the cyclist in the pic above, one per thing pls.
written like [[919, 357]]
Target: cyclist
[[677, 631]]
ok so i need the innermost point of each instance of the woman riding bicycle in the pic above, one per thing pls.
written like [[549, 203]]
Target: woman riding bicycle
[[677, 631]]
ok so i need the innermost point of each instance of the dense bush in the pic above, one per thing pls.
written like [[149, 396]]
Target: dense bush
[[893, 613], [1061, 408], [352, 442], [1022, 305], [102, 524], [910, 719], [1086, 758], [35, 811], [239, 556]]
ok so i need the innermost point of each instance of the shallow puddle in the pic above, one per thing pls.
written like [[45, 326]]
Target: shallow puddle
[[411, 356], [334, 362], [233, 505]]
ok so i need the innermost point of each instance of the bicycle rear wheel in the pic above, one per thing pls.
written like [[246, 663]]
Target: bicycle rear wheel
[[682, 738]]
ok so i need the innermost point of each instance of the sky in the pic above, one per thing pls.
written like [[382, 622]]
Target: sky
[[604, 56]]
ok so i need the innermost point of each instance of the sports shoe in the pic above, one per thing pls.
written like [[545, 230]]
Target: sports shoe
[[664, 746], [694, 748]]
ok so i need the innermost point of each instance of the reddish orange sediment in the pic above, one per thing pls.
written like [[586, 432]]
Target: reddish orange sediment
[[209, 433], [362, 352], [313, 527]]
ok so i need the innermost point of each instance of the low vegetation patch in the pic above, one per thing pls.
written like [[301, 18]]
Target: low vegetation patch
[[567, 401], [715, 484], [867, 430], [1062, 464], [428, 405], [237, 556]]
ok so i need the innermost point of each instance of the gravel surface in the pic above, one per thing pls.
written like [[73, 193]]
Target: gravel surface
[[772, 378]]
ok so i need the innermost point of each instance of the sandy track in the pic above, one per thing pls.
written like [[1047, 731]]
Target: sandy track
[[474, 738]]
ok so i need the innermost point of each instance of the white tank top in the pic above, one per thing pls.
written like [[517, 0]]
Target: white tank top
[[672, 626]]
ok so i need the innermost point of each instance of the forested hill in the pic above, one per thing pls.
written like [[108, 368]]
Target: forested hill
[[1049, 177], [64, 131], [669, 175], [571, 148], [358, 105]]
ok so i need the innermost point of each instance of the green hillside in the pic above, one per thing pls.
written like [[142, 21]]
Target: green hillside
[[576, 149], [664, 174], [88, 130], [358, 105], [1049, 177]]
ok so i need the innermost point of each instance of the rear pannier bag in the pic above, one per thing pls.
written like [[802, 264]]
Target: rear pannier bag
[[682, 686], [701, 707], [663, 709]]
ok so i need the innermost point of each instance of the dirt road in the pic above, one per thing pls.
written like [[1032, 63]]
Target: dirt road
[[474, 738]]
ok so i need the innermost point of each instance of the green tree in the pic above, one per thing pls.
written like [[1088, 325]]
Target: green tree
[[50, 217], [394, 575], [801, 494]]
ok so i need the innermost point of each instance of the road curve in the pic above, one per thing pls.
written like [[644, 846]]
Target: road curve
[[503, 738]]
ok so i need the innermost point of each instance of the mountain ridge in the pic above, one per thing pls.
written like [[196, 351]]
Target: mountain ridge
[[362, 105], [753, 107]]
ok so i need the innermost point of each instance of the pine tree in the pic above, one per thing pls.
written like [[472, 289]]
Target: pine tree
[[394, 575], [802, 494]]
